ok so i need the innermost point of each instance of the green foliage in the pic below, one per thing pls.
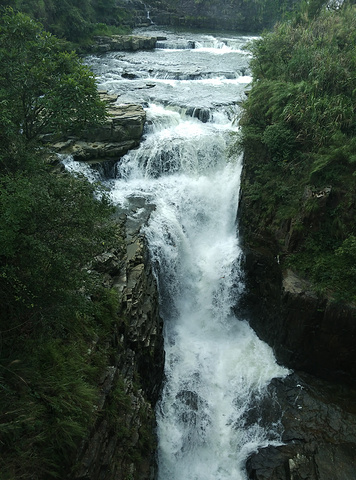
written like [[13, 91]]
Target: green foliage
[[72, 20], [280, 141], [298, 131], [56, 316], [53, 308], [55, 220], [50, 89]]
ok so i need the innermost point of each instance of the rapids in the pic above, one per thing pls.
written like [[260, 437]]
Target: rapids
[[216, 368]]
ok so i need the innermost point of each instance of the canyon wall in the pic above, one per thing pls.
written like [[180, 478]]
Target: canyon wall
[[235, 15], [307, 331], [311, 334], [121, 444]]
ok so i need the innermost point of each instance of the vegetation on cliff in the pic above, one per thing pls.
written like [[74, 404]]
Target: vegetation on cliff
[[299, 136], [240, 15], [76, 21], [56, 316]]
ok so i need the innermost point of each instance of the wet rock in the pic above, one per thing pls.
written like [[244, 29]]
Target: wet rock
[[306, 332], [94, 152], [121, 443], [203, 114], [116, 43], [129, 76], [319, 422]]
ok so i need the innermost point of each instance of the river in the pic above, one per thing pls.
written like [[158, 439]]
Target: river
[[216, 368]]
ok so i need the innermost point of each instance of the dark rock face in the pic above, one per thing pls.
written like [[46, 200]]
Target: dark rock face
[[319, 422], [316, 338], [131, 381], [233, 15], [306, 332]]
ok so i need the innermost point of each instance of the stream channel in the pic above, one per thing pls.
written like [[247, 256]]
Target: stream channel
[[216, 368]]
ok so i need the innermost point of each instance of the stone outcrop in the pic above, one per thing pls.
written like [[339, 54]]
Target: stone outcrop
[[319, 422], [121, 132], [122, 443], [117, 43]]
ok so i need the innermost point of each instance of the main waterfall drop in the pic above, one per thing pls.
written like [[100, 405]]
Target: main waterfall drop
[[216, 370]]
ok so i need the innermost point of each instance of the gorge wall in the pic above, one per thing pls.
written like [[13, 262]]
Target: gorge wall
[[307, 332], [237, 15], [121, 444], [315, 337]]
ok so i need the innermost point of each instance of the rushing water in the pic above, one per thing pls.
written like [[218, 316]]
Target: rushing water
[[216, 368]]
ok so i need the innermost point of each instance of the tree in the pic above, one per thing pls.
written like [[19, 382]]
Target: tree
[[43, 89], [54, 307]]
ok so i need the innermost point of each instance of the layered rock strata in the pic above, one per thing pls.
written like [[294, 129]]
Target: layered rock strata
[[122, 444], [121, 132], [117, 43], [222, 15]]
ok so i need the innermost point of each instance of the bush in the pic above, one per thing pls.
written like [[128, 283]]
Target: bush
[[300, 113]]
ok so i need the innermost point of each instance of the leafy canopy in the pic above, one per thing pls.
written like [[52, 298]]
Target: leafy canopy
[[73, 20], [55, 316], [43, 89]]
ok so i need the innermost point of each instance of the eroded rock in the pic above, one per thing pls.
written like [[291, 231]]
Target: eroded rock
[[121, 132], [319, 421], [115, 43], [307, 332], [121, 444]]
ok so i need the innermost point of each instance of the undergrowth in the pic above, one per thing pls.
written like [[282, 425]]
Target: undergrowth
[[298, 134]]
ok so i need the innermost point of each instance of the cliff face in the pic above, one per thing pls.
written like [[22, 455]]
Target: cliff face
[[307, 332], [214, 15], [298, 202], [315, 337], [121, 443]]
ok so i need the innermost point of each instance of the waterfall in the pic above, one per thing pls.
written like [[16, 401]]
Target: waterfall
[[216, 369]]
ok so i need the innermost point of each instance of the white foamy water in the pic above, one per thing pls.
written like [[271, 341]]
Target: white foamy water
[[215, 364]]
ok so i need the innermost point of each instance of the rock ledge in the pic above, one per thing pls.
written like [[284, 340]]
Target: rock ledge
[[121, 132], [117, 43]]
